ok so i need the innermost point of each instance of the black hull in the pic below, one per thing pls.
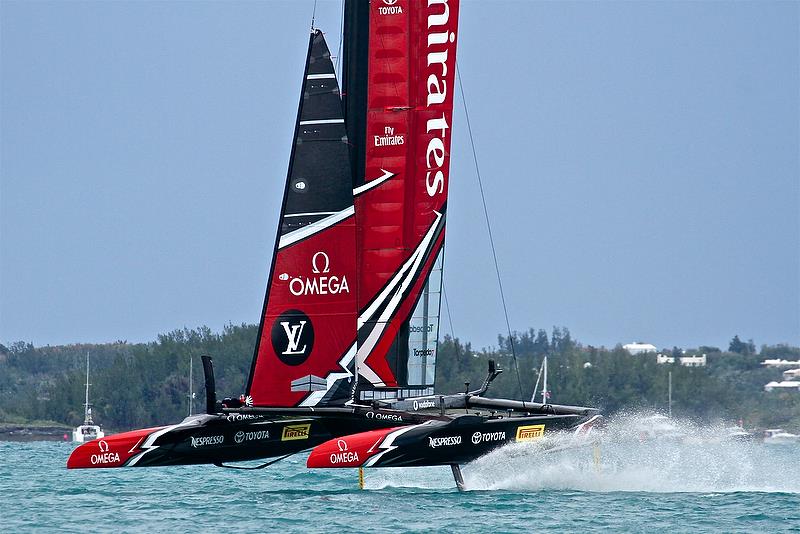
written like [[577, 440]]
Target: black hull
[[250, 439], [457, 441], [465, 439], [219, 439]]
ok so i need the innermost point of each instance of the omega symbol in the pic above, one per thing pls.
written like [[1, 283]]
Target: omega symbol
[[315, 266]]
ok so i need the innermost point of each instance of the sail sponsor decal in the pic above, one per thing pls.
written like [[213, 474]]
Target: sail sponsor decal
[[486, 437], [292, 337], [444, 441], [423, 352], [388, 137], [390, 7], [529, 432], [256, 435], [206, 441], [320, 282], [440, 68], [294, 432]]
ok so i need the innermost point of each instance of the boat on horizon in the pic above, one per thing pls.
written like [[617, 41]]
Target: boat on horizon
[[89, 430], [779, 436]]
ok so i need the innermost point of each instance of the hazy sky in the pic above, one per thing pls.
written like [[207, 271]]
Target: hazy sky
[[640, 161]]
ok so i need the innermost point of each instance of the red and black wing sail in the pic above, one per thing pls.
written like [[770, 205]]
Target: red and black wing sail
[[307, 336], [402, 174]]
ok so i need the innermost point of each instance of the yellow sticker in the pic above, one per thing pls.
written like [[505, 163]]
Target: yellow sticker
[[530, 432], [291, 432]]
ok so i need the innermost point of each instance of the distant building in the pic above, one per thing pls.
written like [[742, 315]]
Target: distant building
[[686, 361], [693, 361], [786, 385], [781, 363], [789, 374], [639, 347], [663, 358]]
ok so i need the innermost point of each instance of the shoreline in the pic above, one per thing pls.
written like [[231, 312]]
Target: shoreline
[[34, 432]]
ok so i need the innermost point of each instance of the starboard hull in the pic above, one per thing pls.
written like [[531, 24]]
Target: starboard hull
[[454, 442]]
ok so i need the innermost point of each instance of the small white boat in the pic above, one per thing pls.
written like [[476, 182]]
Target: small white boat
[[737, 433], [658, 428], [778, 436], [88, 430]]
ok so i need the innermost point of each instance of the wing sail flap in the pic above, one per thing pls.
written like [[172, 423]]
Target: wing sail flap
[[400, 220]]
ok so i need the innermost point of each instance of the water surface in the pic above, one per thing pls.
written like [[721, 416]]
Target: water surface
[[635, 487]]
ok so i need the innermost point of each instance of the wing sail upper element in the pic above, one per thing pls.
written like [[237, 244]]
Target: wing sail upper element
[[307, 336], [402, 192]]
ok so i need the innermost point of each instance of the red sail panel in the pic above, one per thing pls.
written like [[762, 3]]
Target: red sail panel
[[306, 342], [308, 337], [400, 207]]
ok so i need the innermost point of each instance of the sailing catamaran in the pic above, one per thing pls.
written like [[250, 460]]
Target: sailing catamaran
[[346, 351]]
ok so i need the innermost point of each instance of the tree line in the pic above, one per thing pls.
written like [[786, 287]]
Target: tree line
[[147, 384]]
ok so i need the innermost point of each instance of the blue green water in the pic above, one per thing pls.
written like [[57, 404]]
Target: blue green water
[[704, 487]]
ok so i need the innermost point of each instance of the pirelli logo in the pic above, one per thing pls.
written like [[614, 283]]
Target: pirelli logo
[[530, 432], [291, 432]]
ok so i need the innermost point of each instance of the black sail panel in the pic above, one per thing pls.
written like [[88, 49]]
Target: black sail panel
[[355, 81], [320, 180]]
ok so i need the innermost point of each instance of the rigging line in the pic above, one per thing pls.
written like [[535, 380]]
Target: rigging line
[[313, 15], [489, 228], [450, 320], [341, 39]]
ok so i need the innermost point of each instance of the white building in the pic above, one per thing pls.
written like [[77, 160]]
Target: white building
[[789, 374], [781, 363], [693, 361], [786, 385], [639, 347], [663, 358], [686, 361]]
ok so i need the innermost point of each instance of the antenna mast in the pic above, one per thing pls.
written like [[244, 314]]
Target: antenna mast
[[87, 411], [191, 393]]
